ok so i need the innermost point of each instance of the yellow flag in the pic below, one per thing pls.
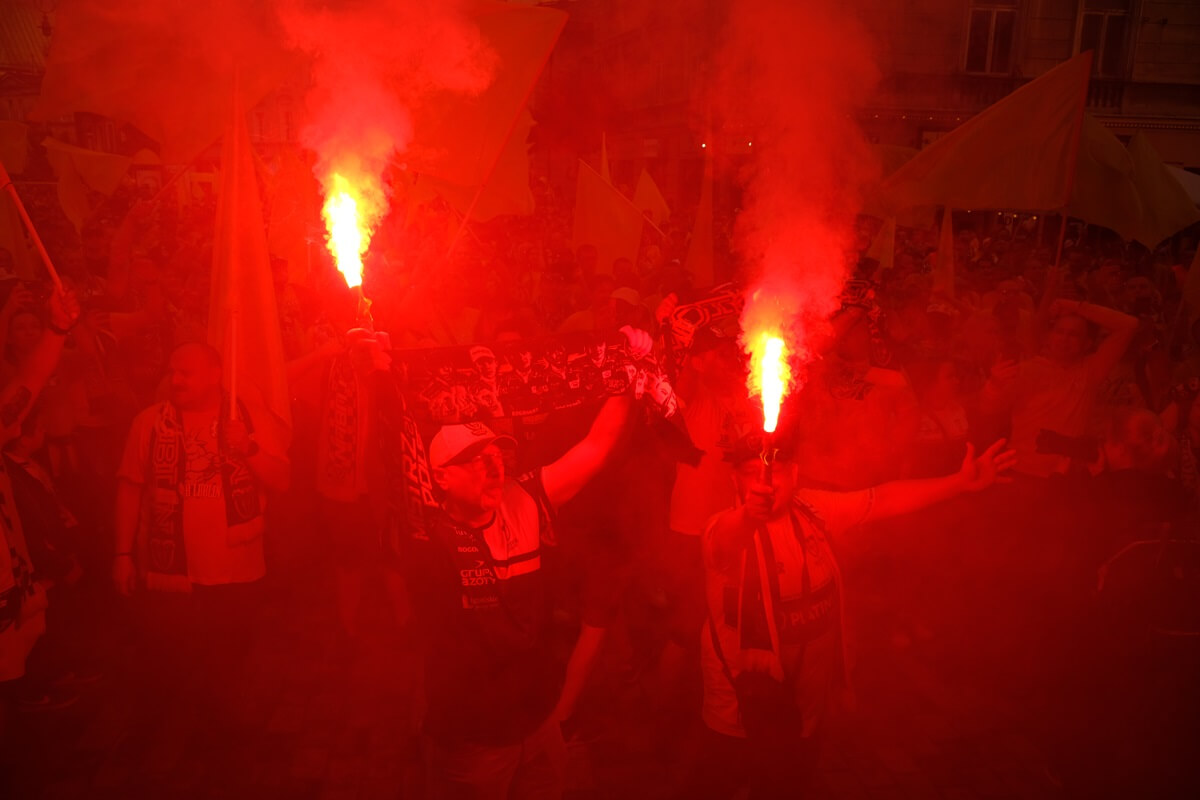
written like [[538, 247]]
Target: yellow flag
[[81, 172], [242, 288], [506, 192], [1190, 182], [606, 219], [648, 198], [1166, 206], [883, 249], [459, 138], [943, 270], [1018, 154], [700, 249], [1104, 192]]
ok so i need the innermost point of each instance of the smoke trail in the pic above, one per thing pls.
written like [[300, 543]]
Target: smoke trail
[[372, 62], [790, 73]]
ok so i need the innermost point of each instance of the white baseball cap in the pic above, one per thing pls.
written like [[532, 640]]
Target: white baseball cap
[[457, 444]]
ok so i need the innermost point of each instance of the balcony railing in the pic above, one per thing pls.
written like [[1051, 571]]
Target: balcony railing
[[1107, 94], [973, 93]]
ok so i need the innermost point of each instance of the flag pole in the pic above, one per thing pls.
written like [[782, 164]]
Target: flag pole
[[1193, 276], [1073, 162], [7, 185], [233, 365], [235, 254], [1062, 238]]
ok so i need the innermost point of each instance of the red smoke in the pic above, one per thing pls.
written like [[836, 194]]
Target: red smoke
[[372, 62], [790, 74]]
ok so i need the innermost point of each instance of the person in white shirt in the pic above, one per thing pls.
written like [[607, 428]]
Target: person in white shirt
[[772, 656], [189, 526]]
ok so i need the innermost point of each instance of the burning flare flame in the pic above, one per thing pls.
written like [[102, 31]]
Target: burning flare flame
[[348, 238], [771, 375]]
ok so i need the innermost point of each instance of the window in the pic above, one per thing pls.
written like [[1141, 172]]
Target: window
[[990, 30], [1103, 28]]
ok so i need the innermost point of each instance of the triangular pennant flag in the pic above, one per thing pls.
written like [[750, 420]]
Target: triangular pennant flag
[[883, 249], [1190, 182], [1104, 192], [80, 172], [1017, 154], [507, 191], [459, 138], [649, 199], [605, 219], [1166, 206]]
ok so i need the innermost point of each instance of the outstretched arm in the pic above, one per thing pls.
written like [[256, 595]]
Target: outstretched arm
[[904, 497]]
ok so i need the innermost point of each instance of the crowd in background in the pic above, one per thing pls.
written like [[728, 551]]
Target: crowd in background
[[1091, 371]]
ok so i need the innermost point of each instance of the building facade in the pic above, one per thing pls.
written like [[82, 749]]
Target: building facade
[[944, 60], [636, 71]]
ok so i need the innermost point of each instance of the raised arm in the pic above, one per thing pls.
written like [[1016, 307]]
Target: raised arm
[[1121, 329], [564, 478], [17, 397], [298, 368]]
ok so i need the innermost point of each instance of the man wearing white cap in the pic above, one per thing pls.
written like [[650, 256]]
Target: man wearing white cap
[[491, 679]]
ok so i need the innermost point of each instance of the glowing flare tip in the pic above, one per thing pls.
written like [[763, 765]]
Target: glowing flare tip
[[772, 378], [347, 240]]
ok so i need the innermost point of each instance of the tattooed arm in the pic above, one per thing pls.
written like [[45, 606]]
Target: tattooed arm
[[17, 397]]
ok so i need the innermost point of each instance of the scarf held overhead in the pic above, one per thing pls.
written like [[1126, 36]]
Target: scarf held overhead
[[527, 377]]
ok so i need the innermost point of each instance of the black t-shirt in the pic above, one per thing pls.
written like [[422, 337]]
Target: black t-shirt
[[480, 595]]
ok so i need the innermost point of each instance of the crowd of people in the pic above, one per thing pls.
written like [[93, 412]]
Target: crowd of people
[[1034, 425]]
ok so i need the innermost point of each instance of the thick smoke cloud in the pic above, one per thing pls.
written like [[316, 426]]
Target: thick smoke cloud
[[790, 74], [372, 61]]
